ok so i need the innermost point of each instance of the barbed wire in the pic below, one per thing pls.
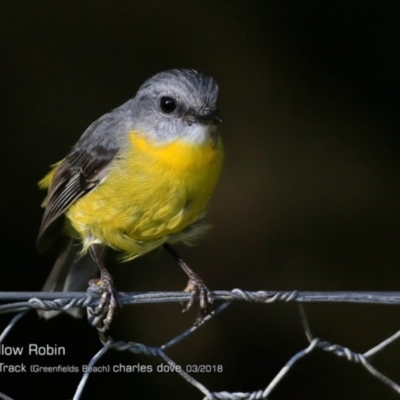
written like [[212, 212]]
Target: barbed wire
[[22, 302]]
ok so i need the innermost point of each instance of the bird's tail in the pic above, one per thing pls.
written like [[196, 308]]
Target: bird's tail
[[71, 273]]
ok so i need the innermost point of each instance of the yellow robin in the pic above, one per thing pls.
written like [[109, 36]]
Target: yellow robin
[[140, 177]]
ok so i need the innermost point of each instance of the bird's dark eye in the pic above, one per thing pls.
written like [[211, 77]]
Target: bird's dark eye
[[167, 104]]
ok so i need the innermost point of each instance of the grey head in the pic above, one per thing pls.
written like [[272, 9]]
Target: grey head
[[177, 104]]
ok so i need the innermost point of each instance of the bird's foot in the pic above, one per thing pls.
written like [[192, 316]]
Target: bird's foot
[[109, 305], [196, 287]]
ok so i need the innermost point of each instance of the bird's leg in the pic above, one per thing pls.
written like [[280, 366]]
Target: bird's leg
[[195, 287], [109, 304]]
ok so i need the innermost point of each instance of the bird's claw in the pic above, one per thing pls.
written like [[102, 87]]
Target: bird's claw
[[196, 287], [109, 305]]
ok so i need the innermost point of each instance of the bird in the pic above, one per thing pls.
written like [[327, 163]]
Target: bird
[[140, 177]]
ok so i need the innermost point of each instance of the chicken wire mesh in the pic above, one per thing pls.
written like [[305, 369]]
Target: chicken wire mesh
[[22, 302]]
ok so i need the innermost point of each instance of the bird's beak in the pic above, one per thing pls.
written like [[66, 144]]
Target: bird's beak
[[209, 117]]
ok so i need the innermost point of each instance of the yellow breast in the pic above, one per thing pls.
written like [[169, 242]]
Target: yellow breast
[[150, 193]]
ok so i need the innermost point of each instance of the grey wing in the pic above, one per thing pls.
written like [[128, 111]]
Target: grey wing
[[83, 169]]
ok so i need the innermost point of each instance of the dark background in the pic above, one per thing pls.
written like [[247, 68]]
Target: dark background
[[308, 199]]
